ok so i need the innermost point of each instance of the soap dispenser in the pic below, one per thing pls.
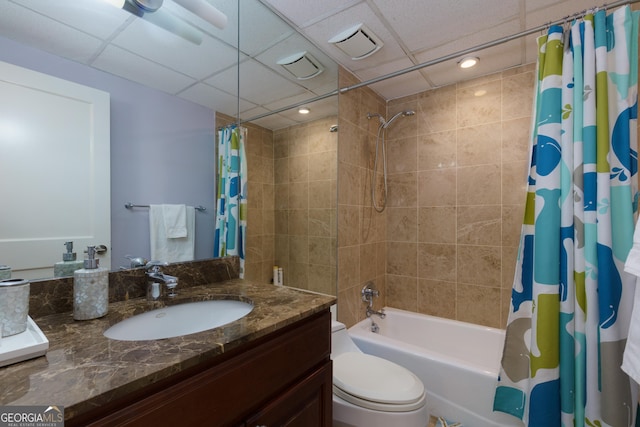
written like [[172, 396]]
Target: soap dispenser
[[69, 264], [90, 289]]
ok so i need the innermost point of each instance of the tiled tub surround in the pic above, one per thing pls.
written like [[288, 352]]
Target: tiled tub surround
[[83, 369], [447, 242], [457, 187]]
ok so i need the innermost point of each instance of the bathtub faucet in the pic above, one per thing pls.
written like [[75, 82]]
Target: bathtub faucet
[[371, 311], [368, 293]]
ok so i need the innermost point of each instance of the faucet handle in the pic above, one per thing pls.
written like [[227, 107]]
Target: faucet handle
[[154, 266], [369, 292], [135, 262]]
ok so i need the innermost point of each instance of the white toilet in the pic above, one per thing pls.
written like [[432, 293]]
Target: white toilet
[[371, 391]]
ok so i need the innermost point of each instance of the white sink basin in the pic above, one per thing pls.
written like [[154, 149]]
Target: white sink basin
[[178, 320]]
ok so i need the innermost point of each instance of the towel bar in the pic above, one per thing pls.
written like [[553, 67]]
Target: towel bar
[[131, 206]]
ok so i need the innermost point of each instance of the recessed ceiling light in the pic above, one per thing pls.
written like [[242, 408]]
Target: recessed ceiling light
[[468, 62], [304, 110]]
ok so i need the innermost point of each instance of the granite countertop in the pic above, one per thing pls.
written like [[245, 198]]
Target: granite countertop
[[83, 369]]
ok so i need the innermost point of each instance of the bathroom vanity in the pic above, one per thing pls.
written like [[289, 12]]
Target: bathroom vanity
[[271, 367]]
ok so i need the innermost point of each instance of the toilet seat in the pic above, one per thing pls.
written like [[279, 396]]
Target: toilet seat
[[375, 383]]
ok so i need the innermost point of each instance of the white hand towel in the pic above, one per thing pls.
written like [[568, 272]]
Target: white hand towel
[[631, 356], [171, 249], [175, 221]]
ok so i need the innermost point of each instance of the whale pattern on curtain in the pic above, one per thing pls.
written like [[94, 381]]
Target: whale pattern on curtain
[[231, 195], [571, 299]]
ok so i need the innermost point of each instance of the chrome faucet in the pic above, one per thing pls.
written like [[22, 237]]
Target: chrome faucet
[[157, 279], [368, 293]]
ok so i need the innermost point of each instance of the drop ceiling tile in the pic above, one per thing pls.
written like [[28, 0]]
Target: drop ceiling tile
[[384, 69], [303, 14], [404, 85], [444, 21], [469, 42], [171, 51], [260, 28], [214, 98], [571, 6], [325, 89], [492, 60], [125, 64], [258, 90], [253, 111], [558, 11], [94, 17], [275, 122], [25, 26], [289, 101]]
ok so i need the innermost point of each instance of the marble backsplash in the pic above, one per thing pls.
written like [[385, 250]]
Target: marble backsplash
[[52, 296]]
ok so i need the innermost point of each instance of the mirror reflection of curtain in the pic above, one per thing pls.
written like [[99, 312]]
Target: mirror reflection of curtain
[[571, 299], [231, 194]]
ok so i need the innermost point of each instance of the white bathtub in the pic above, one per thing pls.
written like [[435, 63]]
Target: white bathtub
[[458, 362]]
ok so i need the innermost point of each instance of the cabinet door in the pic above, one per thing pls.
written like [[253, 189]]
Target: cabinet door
[[307, 404]]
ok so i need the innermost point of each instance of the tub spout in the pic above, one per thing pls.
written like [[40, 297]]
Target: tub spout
[[371, 311]]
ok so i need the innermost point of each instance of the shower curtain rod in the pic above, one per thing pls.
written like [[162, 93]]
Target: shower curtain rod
[[454, 55]]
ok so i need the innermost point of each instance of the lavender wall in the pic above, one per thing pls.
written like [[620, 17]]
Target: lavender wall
[[162, 151]]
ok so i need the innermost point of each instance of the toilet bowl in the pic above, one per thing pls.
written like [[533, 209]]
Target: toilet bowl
[[371, 391]]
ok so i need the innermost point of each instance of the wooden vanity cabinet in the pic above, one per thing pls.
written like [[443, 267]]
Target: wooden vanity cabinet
[[282, 379]]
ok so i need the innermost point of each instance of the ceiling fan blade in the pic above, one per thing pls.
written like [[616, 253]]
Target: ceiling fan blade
[[174, 25], [206, 11]]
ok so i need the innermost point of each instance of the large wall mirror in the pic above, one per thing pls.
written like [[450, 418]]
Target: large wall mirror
[[165, 87]]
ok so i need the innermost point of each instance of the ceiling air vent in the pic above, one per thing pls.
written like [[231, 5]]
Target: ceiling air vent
[[358, 42], [302, 65]]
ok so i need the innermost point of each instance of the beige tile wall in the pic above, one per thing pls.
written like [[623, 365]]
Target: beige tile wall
[[292, 203], [457, 178], [447, 241], [305, 204]]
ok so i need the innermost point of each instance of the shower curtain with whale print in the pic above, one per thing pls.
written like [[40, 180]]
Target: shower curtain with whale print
[[231, 194], [571, 299]]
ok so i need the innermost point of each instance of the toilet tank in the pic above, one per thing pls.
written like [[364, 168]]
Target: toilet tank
[[341, 342]]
